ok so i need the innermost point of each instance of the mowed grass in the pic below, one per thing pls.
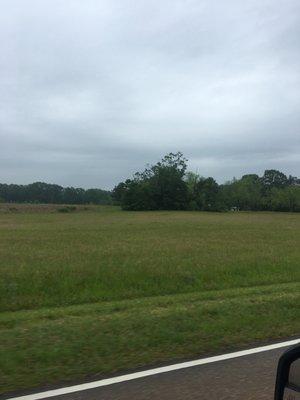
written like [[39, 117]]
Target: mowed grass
[[102, 290]]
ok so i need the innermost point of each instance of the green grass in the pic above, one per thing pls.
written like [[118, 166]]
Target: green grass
[[104, 290]]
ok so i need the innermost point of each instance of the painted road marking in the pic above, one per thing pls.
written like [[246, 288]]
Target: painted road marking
[[154, 371]]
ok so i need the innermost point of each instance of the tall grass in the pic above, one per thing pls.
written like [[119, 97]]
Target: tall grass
[[53, 259]]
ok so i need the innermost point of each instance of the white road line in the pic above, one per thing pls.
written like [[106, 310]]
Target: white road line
[[154, 371]]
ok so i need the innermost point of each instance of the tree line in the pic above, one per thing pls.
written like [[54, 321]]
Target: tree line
[[168, 185], [41, 192]]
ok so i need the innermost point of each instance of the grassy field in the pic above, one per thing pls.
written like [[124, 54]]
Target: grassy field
[[100, 290]]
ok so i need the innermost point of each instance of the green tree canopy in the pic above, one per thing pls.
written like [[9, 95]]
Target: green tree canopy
[[159, 187]]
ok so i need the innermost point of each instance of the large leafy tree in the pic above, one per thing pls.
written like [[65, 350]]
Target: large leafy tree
[[207, 191], [169, 190], [159, 187], [245, 193], [273, 178], [119, 191], [203, 192]]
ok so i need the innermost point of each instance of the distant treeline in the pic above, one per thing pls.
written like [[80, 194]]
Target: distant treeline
[[40, 192], [168, 186]]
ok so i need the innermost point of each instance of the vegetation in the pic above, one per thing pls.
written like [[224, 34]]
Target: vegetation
[[168, 186], [37, 208], [40, 192], [65, 343], [99, 291], [106, 290]]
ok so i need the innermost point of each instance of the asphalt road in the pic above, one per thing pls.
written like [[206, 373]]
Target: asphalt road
[[250, 377]]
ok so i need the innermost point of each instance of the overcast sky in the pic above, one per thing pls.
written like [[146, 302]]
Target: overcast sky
[[92, 90]]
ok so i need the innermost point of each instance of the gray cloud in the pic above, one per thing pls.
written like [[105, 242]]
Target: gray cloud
[[91, 91]]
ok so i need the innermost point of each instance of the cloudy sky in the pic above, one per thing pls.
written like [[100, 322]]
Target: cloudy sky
[[91, 91]]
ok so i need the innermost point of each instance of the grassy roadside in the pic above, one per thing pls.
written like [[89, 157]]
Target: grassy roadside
[[101, 290], [54, 344]]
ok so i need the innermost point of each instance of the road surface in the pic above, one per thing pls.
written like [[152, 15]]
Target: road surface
[[250, 377]]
